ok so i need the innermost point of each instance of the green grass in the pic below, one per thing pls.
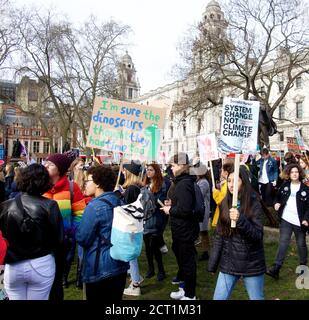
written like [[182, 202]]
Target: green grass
[[283, 289]]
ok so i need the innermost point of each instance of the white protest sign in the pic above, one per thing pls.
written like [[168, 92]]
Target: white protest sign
[[207, 145], [239, 128]]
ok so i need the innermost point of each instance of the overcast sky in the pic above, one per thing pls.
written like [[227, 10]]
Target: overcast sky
[[158, 26]]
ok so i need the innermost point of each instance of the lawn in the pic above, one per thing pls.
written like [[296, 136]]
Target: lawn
[[283, 289]]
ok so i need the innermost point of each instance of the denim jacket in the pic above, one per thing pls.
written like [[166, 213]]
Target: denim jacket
[[97, 220], [271, 169]]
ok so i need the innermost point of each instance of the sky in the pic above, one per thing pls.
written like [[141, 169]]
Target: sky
[[158, 27]]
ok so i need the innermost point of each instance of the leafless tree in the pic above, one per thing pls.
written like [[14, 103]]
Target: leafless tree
[[261, 48], [73, 64]]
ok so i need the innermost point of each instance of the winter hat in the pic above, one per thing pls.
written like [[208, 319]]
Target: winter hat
[[180, 158], [134, 167], [62, 162]]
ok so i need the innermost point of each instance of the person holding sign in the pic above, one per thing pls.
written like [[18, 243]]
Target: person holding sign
[[292, 204], [239, 252]]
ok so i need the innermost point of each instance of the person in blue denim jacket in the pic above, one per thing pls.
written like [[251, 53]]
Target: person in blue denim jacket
[[105, 278], [268, 176]]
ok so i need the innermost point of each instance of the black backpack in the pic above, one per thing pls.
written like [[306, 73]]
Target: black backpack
[[199, 206]]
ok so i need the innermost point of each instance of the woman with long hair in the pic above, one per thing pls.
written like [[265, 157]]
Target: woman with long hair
[[292, 204], [304, 164], [239, 251], [155, 225]]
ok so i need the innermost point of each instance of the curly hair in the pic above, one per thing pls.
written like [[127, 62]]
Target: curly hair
[[104, 177], [288, 169], [33, 180]]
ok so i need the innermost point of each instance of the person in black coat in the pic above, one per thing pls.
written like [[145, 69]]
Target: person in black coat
[[184, 226], [239, 252], [292, 204]]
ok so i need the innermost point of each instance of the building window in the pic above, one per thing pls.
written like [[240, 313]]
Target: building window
[[222, 58], [281, 112], [56, 147], [16, 132], [200, 56], [36, 147], [130, 93], [281, 86], [298, 82], [26, 143], [299, 110], [26, 132], [171, 132], [169, 148], [184, 130], [281, 136], [36, 133], [46, 147], [199, 125]]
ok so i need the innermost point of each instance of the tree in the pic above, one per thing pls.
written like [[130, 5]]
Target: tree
[[9, 38], [259, 47], [73, 64]]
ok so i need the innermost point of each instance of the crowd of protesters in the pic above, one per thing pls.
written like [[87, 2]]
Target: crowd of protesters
[[53, 211]]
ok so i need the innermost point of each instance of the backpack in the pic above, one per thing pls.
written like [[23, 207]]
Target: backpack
[[199, 205], [148, 202], [128, 227]]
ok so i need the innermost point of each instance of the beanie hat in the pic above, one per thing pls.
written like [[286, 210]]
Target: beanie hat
[[61, 161], [133, 167], [180, 158]]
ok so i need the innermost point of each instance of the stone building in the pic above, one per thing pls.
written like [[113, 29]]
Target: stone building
[[181, 130]]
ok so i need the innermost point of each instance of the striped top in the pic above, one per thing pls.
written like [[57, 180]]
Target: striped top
[[71, 213]]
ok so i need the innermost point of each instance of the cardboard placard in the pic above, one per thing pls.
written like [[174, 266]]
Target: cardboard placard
[[126, 127]]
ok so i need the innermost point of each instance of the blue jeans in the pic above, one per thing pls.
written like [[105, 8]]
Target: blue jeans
[[226, 283], [134, 271]]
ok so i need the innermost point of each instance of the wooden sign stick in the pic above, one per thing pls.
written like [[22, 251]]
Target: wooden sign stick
[[119, 173], [212, 174], [235, 186]]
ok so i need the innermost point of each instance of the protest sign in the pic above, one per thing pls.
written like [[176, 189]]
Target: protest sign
[[126, 127], [292, 145], [208, 150], [207, 145], [300, 139], [239, 127]]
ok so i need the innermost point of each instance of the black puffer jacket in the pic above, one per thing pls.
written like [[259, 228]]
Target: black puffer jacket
[[48, 235], [243, 252], [184, 223], [302, 200]]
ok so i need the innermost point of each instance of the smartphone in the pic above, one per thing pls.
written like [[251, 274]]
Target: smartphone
[[160, 203]]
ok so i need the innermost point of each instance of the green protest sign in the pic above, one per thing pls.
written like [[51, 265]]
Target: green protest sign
[[126, 127]]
